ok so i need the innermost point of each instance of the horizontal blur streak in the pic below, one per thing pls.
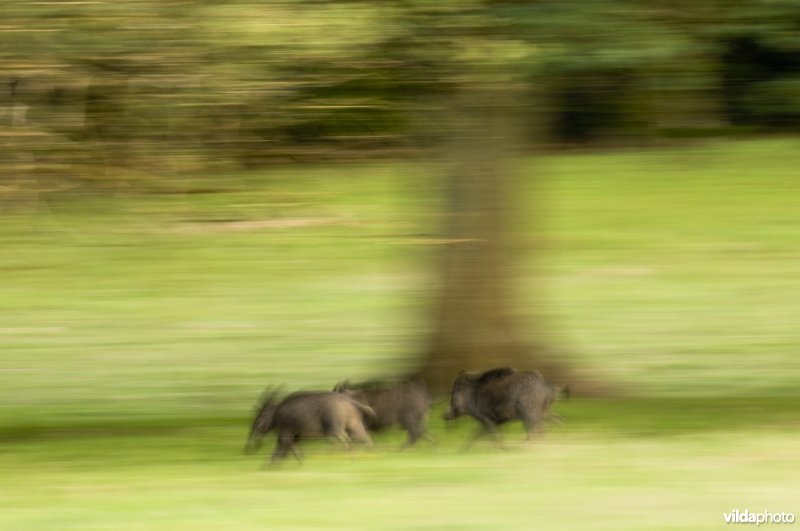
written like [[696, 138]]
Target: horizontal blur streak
[[201, 200], [183, 86]]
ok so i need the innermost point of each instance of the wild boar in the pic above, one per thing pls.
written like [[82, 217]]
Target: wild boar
[[501, 395], [307, 414], [405, 404]]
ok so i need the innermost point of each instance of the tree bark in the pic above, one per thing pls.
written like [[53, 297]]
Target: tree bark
[[474, 323]]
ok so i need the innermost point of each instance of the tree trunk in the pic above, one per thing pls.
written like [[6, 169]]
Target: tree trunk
[[474, 324]]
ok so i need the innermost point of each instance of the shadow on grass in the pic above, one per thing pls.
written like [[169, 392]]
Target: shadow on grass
[[643, 417], [119, 428], [629, 416]]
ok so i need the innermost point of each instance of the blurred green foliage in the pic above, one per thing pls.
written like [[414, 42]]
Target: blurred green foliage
[[173, 86]]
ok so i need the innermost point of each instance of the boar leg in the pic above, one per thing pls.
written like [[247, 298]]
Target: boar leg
[[287, 442], [532, 425], [282, 447], [414, 428], [341, 436], [487, 427], [294, 449], [359, 434]]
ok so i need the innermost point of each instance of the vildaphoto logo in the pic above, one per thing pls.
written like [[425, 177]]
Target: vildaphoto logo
[[764, 517]]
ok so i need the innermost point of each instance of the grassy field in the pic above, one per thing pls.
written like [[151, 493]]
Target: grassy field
[[138, 330]]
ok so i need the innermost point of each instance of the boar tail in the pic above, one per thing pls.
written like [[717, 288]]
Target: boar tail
[[365, 410]]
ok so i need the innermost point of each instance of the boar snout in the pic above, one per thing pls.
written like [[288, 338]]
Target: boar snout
[[251, 446]]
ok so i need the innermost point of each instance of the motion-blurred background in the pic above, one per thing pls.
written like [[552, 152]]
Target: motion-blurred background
[[199, 199]]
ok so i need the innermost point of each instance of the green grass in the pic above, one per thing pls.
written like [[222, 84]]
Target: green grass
[[200, 481], [139, 329]]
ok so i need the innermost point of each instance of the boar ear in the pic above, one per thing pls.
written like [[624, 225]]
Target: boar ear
[[265, 393], [466, 375], [267, 397], [342, 386]]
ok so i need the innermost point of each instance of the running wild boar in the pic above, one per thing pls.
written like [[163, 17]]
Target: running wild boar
[[308, 414], [405, 404], [501, 395]]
